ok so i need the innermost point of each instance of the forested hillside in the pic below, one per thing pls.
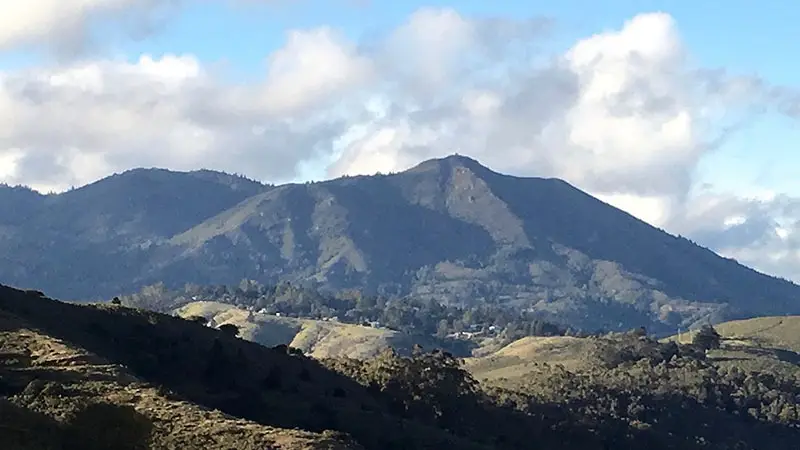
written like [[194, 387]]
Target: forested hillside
[[448, 230]]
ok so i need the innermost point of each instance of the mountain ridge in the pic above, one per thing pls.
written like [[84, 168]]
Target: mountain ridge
[[449, 229]]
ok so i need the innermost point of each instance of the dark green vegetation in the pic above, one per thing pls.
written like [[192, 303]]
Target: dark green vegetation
[[67, 382], [645, 394], [664, 396], [448, 230], [707, 338]]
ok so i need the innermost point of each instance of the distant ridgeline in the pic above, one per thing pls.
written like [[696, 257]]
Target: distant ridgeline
[[408, 314], [450, 230]]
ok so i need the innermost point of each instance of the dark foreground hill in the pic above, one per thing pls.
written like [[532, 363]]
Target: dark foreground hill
[[105, 376], [448, 229]]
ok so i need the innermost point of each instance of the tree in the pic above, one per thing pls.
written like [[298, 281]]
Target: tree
[[116, 301], [443, 328], [229, 329], [639, 332], [707, 338]]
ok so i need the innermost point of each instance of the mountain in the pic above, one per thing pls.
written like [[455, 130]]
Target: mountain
[[79, 243], [448, 229]]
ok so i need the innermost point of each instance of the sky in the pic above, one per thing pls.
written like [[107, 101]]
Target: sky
[[684, 114]]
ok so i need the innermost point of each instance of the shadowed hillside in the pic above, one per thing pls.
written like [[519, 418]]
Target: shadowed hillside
[[112, 226], [158, 359], [119, 377], [448, 229], [63, 388]]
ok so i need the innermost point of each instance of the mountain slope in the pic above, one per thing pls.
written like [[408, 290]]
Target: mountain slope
[[448, 229], [109, 226], [151, 203], [455, 231], [57, 394]]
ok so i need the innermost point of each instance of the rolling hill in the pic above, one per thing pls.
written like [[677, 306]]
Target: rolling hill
[[317, 338], [448, 229], [99, 376], [764, 343], [780, 332], [768, 344], [57, 393]]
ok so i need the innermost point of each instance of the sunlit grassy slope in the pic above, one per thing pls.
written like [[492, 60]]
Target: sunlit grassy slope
[[766, 343], [320, 339]]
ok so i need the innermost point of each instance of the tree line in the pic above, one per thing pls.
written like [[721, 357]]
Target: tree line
[[407, 314]]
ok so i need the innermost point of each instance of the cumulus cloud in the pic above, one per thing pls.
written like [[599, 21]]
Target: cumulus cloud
[[761, 230], [74, 124], [312, 66], [65, 25], [622, 114]]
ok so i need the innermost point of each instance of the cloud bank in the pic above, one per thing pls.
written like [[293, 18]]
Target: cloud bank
[[622, 114]]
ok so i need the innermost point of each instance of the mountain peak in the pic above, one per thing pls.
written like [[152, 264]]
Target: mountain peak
[[448, 230], [461, 160], [452, 161]]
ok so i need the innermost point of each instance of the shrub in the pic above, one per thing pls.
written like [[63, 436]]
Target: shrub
[[707, 338], [229, 329]]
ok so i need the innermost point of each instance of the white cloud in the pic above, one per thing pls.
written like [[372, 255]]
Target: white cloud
[[425, 51], [65, 25], [312, 67], [69, 27], [71, 125], [621, 114], [762, 231]]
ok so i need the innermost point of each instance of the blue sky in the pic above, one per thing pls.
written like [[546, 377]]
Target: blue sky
[[731, 34], [734, 35]]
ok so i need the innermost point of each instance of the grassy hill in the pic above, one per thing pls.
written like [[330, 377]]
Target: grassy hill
[[759, 344], [520, 357], [198, 375], [109, 376], [316, 338], [57, 394], [768, 344], [780, 332]]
